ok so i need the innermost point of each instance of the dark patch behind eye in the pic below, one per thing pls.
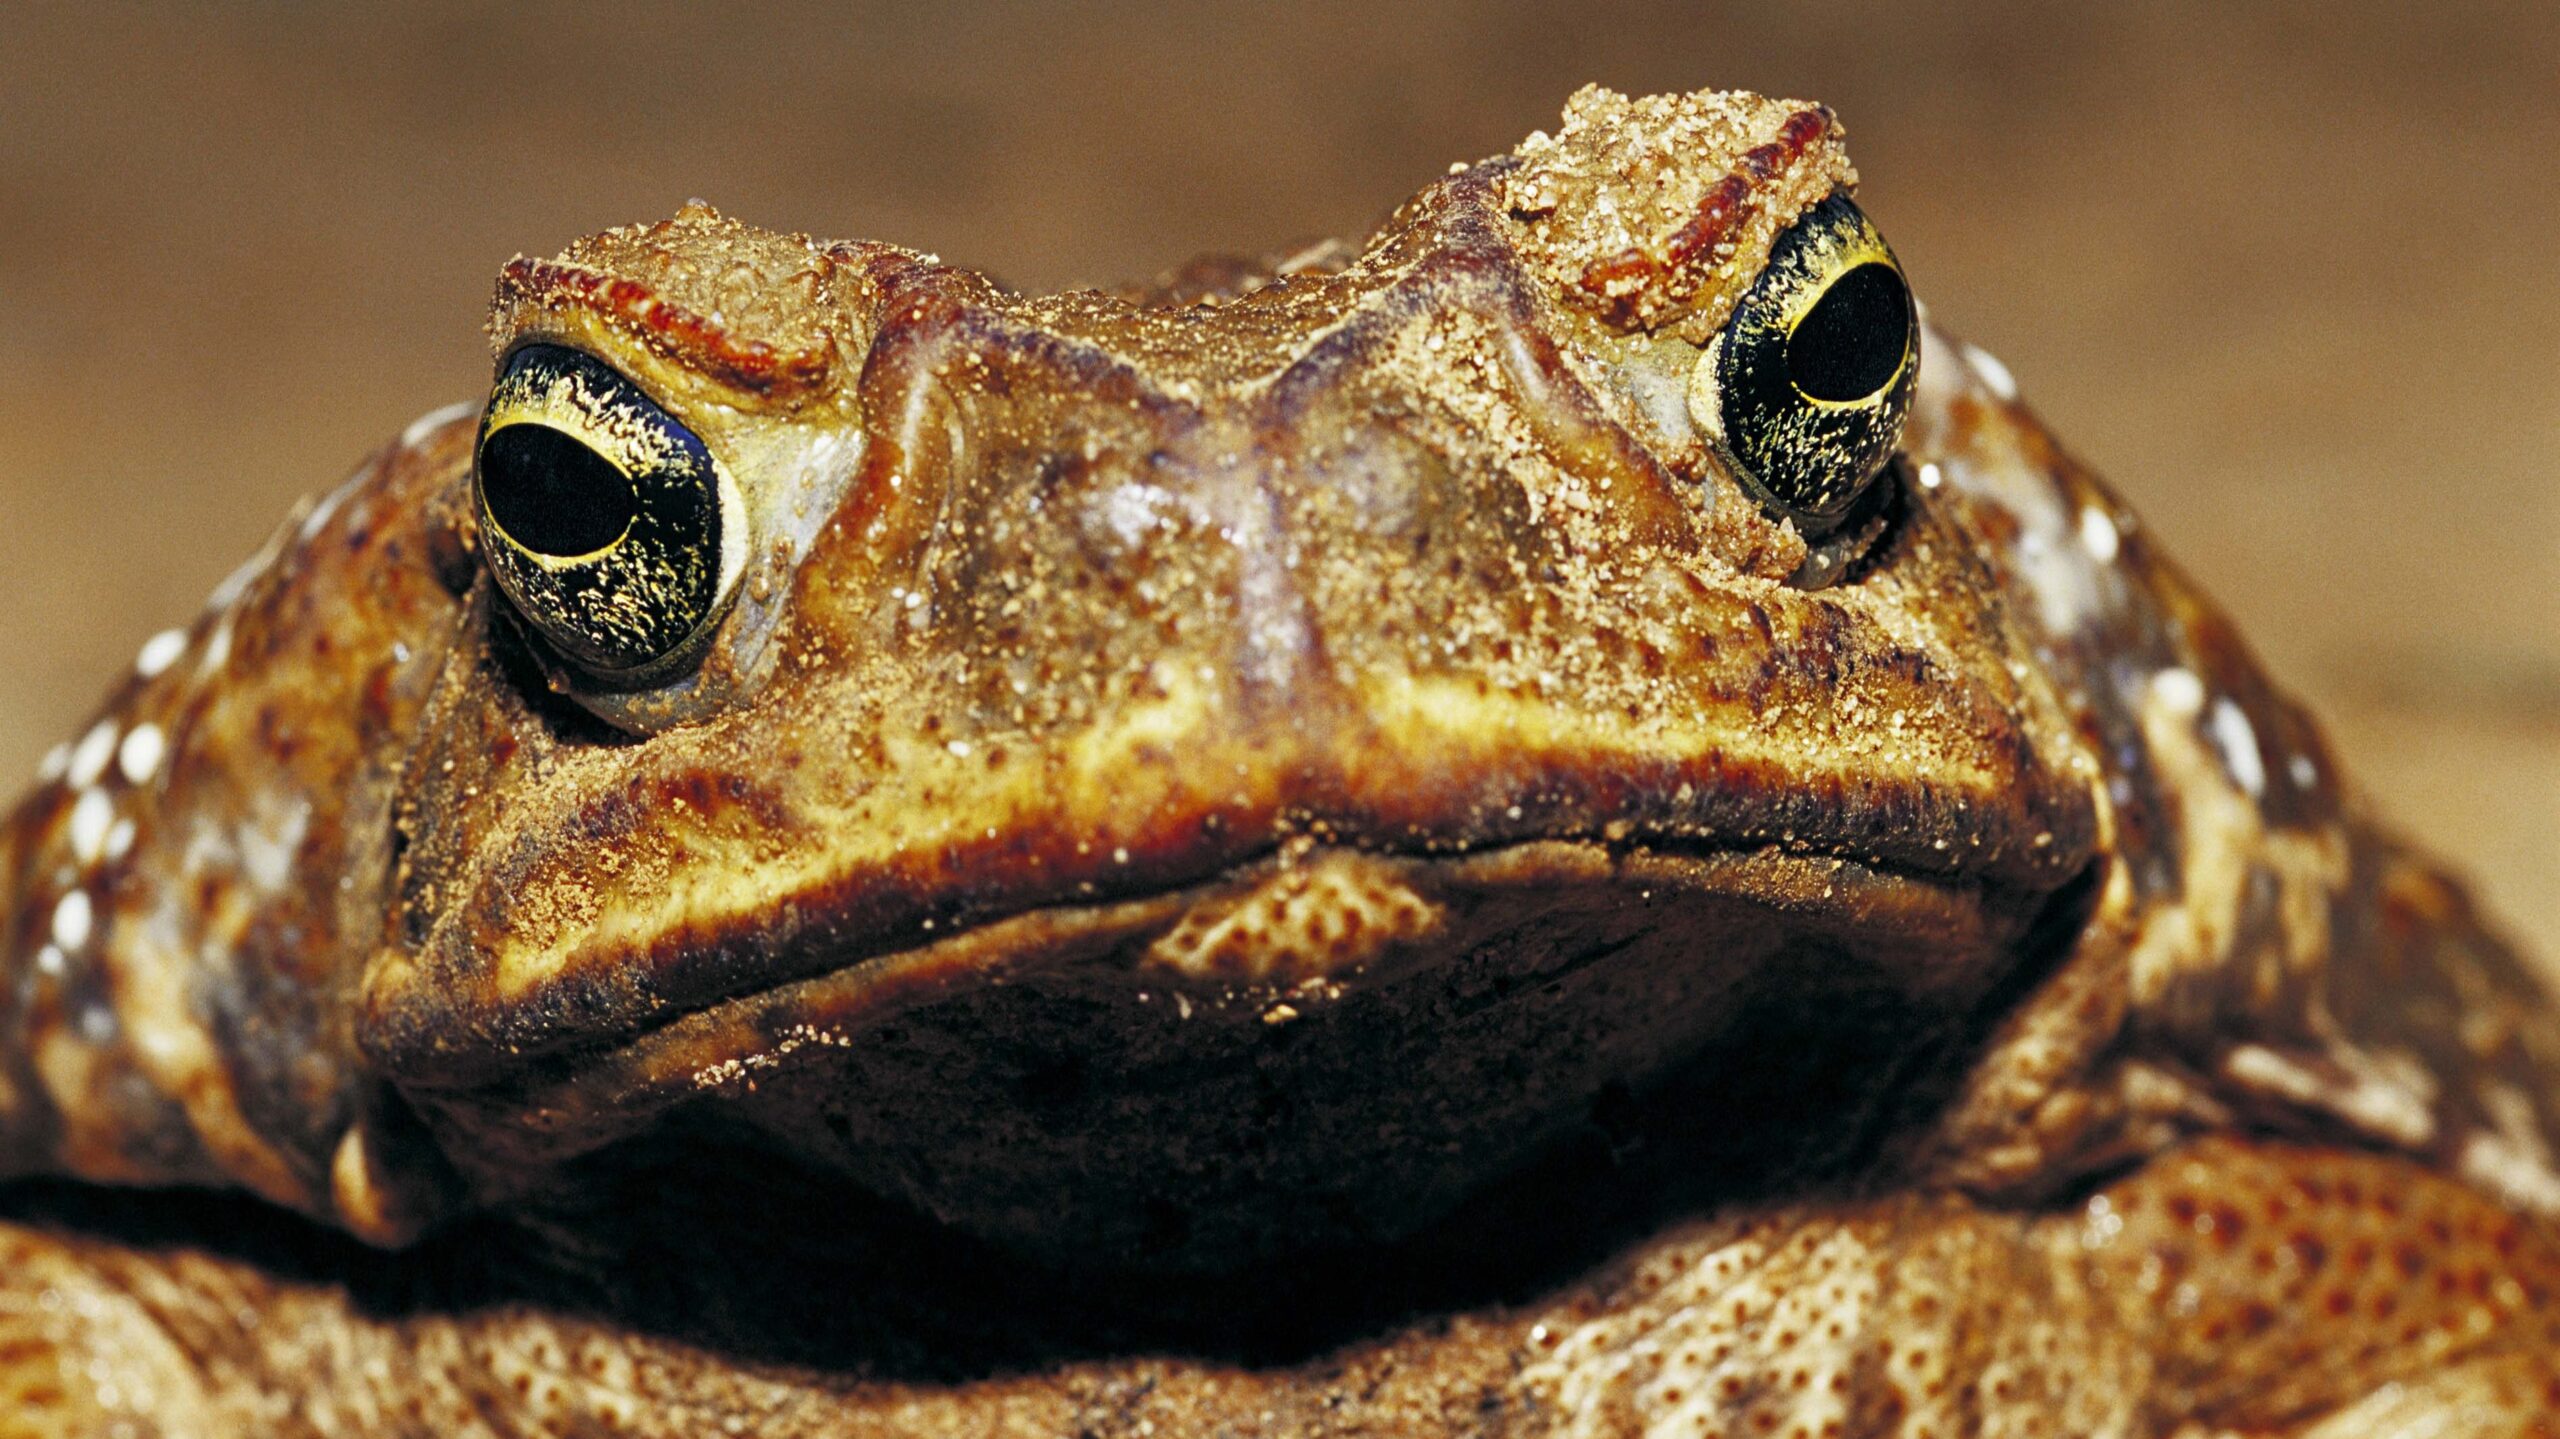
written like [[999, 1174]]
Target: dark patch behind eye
[[1850, 343], [552, 494]]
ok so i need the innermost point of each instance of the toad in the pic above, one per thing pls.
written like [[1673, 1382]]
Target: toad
[[1567, 820]]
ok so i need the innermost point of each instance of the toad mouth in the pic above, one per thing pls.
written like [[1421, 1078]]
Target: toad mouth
[[1278, 941]]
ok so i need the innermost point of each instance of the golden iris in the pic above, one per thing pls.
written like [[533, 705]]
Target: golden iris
[[611, 528], [1803, 394]]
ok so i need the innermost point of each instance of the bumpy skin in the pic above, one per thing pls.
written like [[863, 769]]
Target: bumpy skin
[[1281, 854]]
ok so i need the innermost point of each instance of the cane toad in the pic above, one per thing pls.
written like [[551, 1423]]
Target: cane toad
[[1565, 821]]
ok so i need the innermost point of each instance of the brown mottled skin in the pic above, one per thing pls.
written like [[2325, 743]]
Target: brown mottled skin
[[1283, 854]]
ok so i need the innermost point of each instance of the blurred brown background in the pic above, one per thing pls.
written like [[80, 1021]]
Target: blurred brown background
[[2285, 272]]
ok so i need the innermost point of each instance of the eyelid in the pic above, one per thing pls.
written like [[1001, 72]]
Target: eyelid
[[567, 400]]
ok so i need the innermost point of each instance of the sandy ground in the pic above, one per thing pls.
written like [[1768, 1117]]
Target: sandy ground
[[2285, 272]]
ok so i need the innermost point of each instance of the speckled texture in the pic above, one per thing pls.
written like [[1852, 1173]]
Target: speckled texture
[[1257, 802]]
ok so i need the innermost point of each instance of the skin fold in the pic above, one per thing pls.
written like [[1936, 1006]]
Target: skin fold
[[1300, 850]]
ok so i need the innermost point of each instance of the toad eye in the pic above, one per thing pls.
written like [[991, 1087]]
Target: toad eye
[[611, 528], [1804, 392]]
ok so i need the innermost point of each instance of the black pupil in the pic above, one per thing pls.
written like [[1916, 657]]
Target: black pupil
[[552, 494], [1850, 343]]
